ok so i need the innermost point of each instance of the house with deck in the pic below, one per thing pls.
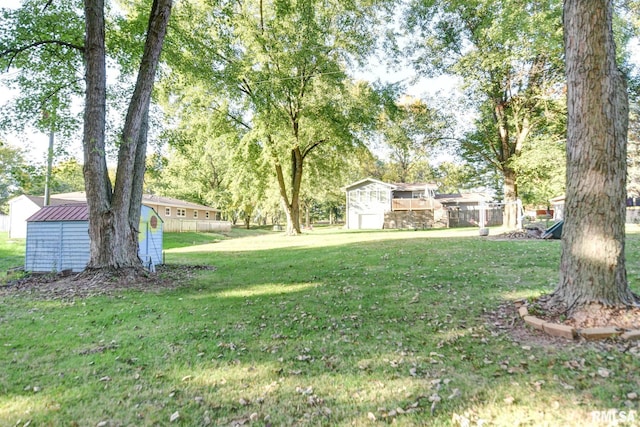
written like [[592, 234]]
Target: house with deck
[[374, 204]]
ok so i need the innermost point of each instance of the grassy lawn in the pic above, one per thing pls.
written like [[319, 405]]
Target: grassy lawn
[[328, 328], [178, 240], [11, 253]]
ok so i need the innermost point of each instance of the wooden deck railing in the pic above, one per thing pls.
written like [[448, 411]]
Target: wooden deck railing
[[411, 204]]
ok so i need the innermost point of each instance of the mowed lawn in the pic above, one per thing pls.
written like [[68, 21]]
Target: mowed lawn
[[331, 328]]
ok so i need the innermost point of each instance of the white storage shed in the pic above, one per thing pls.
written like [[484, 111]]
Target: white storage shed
[[58, 238]]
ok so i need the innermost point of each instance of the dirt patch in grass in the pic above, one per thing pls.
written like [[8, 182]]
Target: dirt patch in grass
[[83, 285], [505, 319], [593, 316]]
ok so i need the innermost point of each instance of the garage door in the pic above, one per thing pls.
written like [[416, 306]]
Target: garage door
[[370, 221]]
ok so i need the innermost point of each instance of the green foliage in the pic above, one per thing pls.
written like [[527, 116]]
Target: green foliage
[[16, 175], [278, 70], [541, 174], [410, 131], [456, 177], [41, 47], [633, 149], [509, 55], [67, 176]]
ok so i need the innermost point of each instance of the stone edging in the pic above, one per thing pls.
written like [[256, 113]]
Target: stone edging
[[590, 334]]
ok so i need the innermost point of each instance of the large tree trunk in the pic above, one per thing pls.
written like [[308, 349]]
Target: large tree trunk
[[291, 205], [510, 197], [592, 266], [114, 216], [96, 178]]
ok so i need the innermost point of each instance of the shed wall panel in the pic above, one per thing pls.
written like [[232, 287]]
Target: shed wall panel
[[57, 246], [53, 246]]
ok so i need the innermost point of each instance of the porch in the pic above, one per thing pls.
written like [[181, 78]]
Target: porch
[[420, 204]]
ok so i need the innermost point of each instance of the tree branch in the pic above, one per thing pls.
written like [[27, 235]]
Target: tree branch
[[312, 146], [21, 49], [13, 52]]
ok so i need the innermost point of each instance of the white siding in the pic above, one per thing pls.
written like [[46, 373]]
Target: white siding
[[57, 246], [20, 209], [53, 246], [367, 204]]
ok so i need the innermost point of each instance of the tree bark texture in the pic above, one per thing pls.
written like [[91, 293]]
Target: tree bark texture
[[97, 184], [291, 205], [510, 198], [592, 266], [114, 216]]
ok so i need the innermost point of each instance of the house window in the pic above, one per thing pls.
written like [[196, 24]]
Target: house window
[[167, 211], [181, 212], [206, 215], [195, 214]]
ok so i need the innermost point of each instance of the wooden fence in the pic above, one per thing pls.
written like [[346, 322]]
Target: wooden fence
[[194, 225]]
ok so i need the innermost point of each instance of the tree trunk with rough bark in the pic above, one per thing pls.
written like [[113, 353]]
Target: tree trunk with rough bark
[[291, 205], [510, 197], [592, 266], [114, 214]]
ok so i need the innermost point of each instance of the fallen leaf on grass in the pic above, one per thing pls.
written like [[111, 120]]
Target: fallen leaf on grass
[[454, 394], [305, 391], [604, 373]]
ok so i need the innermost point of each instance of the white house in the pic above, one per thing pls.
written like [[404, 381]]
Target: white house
[[21, 208], [374, 204]]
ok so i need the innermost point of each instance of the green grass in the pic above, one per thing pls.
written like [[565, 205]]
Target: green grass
[[179, 240], [11, 253], [328, 328]]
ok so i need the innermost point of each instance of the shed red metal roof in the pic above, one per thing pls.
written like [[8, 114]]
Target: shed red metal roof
[[68, 212]]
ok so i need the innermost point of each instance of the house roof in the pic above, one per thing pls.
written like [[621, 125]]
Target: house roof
[[414, 186], [462, 198], [399, 186], [65, 212], [39, 200], [362, 181], [557, 199], [147, 199]]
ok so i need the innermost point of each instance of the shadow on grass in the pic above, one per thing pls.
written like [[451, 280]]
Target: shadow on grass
[[341, 334]]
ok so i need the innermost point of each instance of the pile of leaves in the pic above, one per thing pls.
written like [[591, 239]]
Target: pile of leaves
[[530, 232], [87, 284]]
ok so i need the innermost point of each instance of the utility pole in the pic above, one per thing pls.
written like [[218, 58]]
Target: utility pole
[[47, 181]]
